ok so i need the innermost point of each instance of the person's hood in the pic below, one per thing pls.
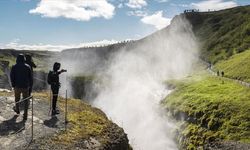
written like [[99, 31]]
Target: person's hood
[[20, 58], [28, 58], [56, 66]]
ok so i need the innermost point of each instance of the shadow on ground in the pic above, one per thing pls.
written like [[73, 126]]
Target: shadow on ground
[[11, 126]]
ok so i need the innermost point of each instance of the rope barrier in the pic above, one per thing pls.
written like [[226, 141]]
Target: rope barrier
[[40, 80], [32, 110], [24, 100]]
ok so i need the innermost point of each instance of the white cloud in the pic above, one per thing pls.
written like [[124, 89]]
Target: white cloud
[[157, 20], [162, 1], [136, 3], [18, 46], [214, 5], [81, 10], [137, 13]]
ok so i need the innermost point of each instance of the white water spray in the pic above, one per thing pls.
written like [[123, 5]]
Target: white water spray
[[132, 83], [135, 85]]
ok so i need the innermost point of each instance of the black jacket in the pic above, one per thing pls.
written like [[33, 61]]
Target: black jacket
[[55, 79], [20, 74]]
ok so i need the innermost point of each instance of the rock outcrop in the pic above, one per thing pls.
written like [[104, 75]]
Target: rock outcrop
[[87, 128]]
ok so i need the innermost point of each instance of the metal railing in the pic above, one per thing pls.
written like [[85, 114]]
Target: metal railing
[[32, 111], [32, 114]]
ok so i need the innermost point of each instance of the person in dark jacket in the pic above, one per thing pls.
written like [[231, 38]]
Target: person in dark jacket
[[32, 65], [21, 79], [53, 80]]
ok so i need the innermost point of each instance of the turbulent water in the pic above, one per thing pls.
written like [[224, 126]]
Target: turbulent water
[[132, 83]]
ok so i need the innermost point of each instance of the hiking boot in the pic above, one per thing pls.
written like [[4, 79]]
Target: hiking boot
[[16, 110], [53, 113]]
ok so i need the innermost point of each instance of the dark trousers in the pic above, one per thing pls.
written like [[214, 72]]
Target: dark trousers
[[55, 91], [30, 90], [25, 93]]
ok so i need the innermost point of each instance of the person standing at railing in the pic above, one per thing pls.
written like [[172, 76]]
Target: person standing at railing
[[21, 79], [53, 80], [32, 65]]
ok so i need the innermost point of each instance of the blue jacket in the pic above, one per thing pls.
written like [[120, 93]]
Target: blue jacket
[[20, 74]]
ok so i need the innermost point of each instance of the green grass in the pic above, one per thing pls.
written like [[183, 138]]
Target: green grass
[[213, 109], [237, 66], [85, 121], [222, 33], [1, 72]]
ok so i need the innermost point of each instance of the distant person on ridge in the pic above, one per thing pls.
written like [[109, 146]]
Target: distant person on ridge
[[32, 65], [222, 73], [218, 73], [21, 79], [53, 80]]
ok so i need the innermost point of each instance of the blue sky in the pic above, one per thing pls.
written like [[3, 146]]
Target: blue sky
[[59, 24]]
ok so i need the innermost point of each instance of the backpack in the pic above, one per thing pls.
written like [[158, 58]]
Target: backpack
[[51, 77]]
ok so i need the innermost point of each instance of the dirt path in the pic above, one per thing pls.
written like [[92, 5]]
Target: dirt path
[[246, 84], [211, 71], [15, 132]]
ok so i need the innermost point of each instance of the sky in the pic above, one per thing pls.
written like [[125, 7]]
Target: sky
[[63, 24]]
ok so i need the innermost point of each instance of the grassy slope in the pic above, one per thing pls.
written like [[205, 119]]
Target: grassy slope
[[237, 66], [207, 108], [222, 33], [212, 109]]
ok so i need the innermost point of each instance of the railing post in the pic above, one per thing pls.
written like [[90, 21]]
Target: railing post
[[66, 109], [50, 103], [32, 119]]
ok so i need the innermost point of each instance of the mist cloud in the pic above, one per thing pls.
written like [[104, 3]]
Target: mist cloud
[[134, 85], [131, 85]]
